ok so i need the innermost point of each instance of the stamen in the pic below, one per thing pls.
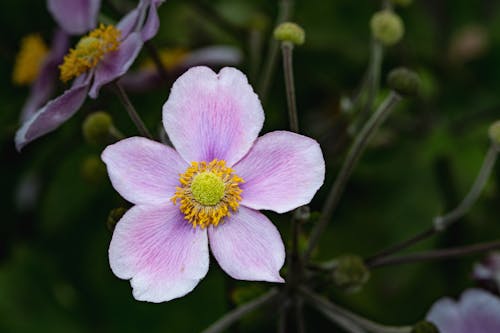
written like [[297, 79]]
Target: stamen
[[208, 193], [29, 60], [89, 51]]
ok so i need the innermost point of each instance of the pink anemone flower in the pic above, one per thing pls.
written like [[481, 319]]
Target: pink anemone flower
[[207, 190], [477, 312]]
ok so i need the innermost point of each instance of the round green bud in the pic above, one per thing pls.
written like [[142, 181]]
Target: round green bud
[[387, 27], [402, 3], [494, 132], [350, 272], [93, 170], [114, 216], [96, 128], [404, 81], [424, 327], [290, 32]]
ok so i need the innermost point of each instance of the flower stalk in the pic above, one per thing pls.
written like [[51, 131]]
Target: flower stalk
[[287, 51], [441, 223], [350, 162], [233, 316], [127, 104]]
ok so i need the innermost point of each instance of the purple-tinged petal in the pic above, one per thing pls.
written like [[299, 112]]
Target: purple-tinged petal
[[151, 25], [446, 316], [44, 85], [248, 246], [162, 254], [141, 80], [54, 113], [211, 115], [480, 311], [116, 63], [214, 56], [143, 171], [76, 17], [129, 22], [282, 171]]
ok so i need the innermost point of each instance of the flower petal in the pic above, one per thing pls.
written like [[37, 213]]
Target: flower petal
[[248, 246], [151, 25], [76, 17], [143, 171], [480, 310], [53, 114], [211, 115], [162, 254], [446, 316], [282, 171], [43, 87], [116, 63]]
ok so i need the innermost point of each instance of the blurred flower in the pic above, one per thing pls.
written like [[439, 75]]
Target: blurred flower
[[101, 57], [476, 312], [488, 271], [226, 175], [176, 61], [469, 43], [36, 65], [75, 17]]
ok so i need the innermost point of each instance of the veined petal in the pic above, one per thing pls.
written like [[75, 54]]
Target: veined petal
[[211, 115], [75, 16], [162, 254], [143, 171], [53, 114], [248, 246], [282, 171], [116, 63]]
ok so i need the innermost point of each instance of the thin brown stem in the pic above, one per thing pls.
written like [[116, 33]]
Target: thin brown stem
[[287, 51], [231, 317], [435, 254], [350, 162], [127, 104]]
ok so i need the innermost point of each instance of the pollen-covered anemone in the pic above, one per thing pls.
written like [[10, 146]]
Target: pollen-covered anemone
[[100, 57], [477, 311], [208, 189]]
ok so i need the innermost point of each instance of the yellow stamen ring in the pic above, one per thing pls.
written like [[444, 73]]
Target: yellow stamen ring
[[208, 192], [89, 51]]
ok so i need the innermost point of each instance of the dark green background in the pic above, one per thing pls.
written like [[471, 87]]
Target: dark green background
[[54, 272]]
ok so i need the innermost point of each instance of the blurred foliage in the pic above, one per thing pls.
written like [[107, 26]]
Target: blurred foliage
[[54, 272]]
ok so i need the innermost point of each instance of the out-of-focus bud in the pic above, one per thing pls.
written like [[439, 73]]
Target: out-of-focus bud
[[350, 272], [93, 170], [387, 27], [424, 327], [402, 3], [494, 132], [469, 43], [404, 81], [114, 216], [290, 32], [97, 128]]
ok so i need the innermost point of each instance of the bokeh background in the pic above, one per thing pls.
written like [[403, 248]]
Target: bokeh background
[[54, 272]]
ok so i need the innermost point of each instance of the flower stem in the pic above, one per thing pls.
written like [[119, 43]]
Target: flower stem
[[287, 51], [231, 317], [441, 223], [350, 162], [122, 95], [350, 321], [285, 12], [434, 255], [155, 56]]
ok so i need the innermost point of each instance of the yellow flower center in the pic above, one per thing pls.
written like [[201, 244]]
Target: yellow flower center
[[208, 193], [29, 60], [89, 51], [169, 58]]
